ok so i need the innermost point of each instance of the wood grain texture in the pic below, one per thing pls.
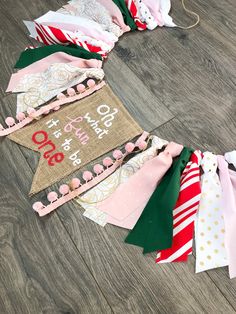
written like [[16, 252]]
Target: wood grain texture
[[181, 84]]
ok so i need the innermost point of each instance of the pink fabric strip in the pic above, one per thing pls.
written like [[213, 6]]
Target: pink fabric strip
[[126, 204], [228, 184], [115, 13], [88, 185], [47, 108], [42, 65]]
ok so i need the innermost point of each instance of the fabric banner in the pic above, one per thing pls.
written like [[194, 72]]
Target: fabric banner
[[72, 137]]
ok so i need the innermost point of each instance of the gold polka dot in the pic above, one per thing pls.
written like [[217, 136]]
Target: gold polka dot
[[202, 248], [210, 201], [216, 251], [223, 230], [209, 215], [206, 181], [209, 242], [217, 195], [201, 263], [202, 234], [216, 223], [222, 244], [216, 236], [209, 228], [202, 220], [216, 209], [208, 257]]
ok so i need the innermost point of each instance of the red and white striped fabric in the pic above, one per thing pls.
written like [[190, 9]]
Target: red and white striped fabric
[[131, 5], [50, 35], [184, 213]]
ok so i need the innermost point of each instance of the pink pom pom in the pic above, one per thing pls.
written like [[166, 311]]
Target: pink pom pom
[[71, 91], [98, 169], [1, 127], [56, 108], [87, 175], [142, 145], [107, 162], [117, 154], [10, 121], [129, 147], [31, 111], [37, 206], [52, 196], [46, 110], [61, 96], [64, 189], [75, 183], [20, 116], [91, 83], [80, 88]]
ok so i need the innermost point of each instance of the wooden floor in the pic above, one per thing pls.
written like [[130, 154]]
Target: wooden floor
[[180, 84]]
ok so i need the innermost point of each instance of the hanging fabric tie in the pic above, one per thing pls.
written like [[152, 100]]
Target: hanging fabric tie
[[105, 190], [131, 5], [184, 213], [43, 64], [154, 229], [126, 204], [228, 184], [115, 14], [209, 224], [126, 14], [30, 56], [95, 11]]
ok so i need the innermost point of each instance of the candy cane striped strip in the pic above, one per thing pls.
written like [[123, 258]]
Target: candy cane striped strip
[[131, 5], [49, 35], [184, 213]]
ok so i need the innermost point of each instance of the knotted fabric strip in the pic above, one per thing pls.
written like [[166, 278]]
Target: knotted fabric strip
[[209, 224], [184, 213], [154, 229], [95, 200], [126, 15], [131, 5], [30, 56], [228, 184], [43, 64]]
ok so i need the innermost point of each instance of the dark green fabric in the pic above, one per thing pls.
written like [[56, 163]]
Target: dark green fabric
[[154, 229], [30, 56], [126, 15]]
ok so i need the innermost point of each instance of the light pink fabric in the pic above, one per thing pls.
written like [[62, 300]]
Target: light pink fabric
[[228, 184], [126, 204], [160, 11], [115, 13], [41, 65]]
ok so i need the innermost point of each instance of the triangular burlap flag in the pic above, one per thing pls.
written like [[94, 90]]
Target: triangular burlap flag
[[75, 135]]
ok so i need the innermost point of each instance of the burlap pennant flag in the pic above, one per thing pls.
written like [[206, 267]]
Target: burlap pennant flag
[[75, 135]]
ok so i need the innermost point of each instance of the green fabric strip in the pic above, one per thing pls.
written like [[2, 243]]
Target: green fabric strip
[[126, 14], [154, 229], [30, 56]]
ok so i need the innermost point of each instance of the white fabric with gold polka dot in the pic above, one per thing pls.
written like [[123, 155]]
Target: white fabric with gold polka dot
[[209, 223]]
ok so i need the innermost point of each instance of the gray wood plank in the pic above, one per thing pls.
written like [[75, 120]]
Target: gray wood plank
[[158, 75], [198, 96], [140, 102]]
